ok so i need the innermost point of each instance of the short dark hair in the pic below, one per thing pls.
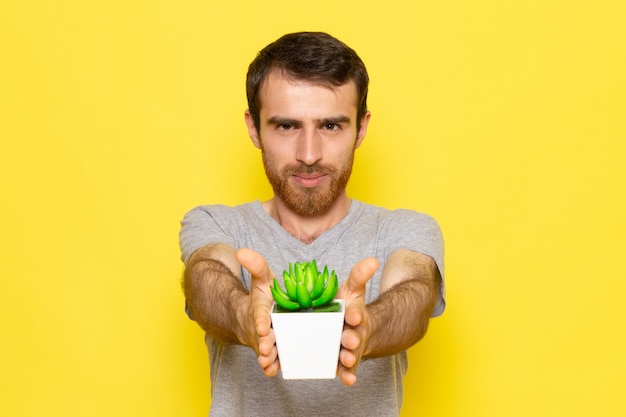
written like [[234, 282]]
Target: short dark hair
[[310, 56]]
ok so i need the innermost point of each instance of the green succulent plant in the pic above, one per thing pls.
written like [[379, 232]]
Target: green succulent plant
[[305, 287]]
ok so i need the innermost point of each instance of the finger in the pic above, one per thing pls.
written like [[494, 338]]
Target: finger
[[361, 273], [272, 369], [266, 360], [347, 358], [346, 376], [261, 275], [354, 286], [262, 321], [354, 315], [267, 344], [255, 263], [350, 339]]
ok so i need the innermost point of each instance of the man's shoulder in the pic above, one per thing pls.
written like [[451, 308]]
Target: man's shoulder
[[224, 210], [388, 214]]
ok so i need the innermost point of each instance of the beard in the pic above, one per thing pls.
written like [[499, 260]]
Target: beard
[[308, 202]]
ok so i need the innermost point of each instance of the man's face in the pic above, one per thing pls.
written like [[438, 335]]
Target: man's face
[[307, 134]]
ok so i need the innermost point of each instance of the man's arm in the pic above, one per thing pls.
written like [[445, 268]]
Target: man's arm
[[220, 304], [397, 319]]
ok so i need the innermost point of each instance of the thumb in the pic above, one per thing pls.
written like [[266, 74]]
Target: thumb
[[256, 264], [260, 296], [353, 289], [361, 273]]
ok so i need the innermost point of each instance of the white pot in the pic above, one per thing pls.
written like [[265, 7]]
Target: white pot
[[308, 343]]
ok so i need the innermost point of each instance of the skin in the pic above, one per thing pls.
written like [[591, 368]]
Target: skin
[[308, 136], [307, 125]]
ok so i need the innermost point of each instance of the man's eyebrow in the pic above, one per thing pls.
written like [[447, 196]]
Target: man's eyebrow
[[333, 120], [277, 120]]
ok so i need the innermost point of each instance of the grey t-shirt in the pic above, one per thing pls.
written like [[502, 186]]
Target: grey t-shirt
[[238, 386]]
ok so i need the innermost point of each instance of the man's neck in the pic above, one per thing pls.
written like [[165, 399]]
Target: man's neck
[[307, 228]]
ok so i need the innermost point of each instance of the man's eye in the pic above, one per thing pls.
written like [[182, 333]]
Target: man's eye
[[331, 126], [284, 126]]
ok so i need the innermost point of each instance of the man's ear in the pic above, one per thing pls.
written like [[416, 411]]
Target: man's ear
[[362, 129], [252, 130]]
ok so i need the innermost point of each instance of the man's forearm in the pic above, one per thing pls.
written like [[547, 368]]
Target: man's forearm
[[399, 317], [213, 295]]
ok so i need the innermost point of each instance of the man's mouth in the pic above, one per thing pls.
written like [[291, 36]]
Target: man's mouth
[[309, 180]]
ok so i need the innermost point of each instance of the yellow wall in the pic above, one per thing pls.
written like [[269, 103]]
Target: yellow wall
[[503, 119]]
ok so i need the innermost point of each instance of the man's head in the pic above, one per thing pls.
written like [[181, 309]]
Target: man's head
[[307, 96], [308, 56]]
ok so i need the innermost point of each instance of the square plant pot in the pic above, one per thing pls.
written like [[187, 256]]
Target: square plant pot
[[308, 342]]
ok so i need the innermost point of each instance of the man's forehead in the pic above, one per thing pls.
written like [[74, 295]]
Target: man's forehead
[[277, 77], [283, 94]]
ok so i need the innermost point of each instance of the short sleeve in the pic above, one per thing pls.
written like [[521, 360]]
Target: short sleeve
[[419, 232], [204, 225]]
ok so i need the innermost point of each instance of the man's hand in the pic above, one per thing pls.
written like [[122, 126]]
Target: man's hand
[[356, 330], [255, 313]]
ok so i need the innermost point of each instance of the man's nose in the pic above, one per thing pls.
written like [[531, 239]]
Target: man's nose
[[309, 147]]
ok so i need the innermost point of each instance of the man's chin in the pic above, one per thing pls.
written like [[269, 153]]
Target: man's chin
[[309, 206]]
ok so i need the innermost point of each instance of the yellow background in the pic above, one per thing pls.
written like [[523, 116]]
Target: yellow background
[[503, 119]]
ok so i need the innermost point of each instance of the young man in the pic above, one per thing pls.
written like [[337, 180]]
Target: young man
[[307, 97]]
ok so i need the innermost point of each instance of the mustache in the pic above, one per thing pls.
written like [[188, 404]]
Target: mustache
[[316, 168]]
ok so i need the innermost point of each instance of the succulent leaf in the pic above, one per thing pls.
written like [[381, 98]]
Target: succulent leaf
[[305, 286]]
